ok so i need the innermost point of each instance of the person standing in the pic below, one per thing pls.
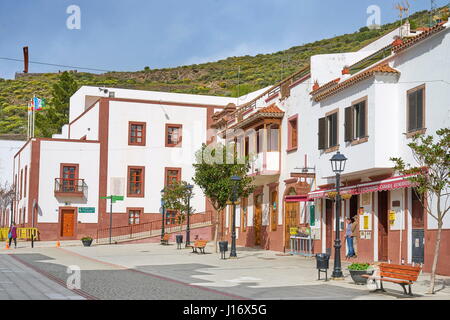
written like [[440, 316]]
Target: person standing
[[355, 235], [13, 235], [349, 238]]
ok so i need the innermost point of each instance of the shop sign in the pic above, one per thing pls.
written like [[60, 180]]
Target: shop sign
[[86, 210]]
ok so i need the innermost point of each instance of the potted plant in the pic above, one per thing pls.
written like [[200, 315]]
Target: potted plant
[[357, 270], [87, 241]]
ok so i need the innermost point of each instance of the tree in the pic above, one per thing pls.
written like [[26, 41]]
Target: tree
[[7, 194], [214, 177], [176, 197], [51, 119], [431, 176]]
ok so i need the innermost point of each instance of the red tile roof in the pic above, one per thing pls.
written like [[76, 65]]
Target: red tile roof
[[411, 41], [271, 109], [330, 90]]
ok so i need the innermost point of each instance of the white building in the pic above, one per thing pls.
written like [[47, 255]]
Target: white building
[[367, 105]]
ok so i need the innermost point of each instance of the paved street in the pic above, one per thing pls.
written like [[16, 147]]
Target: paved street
[[154, 272]]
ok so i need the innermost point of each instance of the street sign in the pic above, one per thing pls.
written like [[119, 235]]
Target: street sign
[[114, 198], [86, 210]]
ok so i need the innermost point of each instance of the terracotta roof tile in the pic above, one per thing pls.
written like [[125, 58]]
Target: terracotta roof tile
[[271, 109], [380, 68], [410, 42]]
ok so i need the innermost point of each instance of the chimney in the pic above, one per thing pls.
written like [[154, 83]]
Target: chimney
[[25, 59], [345, 73], [316, 85]]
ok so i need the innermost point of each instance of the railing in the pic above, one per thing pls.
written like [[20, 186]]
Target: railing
[[22, 233], [70, 186], [150, 229]]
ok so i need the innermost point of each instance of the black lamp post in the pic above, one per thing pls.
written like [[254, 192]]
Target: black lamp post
[[338, 166], [188, 227], [236, 180], [163, 211]]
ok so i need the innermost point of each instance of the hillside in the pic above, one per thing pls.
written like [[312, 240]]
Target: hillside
[[213, 78]]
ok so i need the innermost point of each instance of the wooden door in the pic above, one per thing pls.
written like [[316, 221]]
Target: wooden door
[[383, 226], [292, 220], [257, 219], [67, 222], [329, 224]]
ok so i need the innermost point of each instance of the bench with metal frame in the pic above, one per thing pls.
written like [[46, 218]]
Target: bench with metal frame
[[165, 239], [199, 244]]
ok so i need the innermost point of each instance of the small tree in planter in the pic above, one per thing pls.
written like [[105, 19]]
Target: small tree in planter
[[87, 241], [176, 197], [358, 269]]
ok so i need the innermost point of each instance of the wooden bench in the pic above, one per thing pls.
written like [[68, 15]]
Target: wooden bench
[[199, 244], [400, 274], [165, 239]]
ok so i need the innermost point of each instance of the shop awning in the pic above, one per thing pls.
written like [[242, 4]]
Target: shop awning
[[296, 198], [387, 184]]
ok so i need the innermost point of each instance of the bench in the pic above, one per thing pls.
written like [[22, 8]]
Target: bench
[[400, 274], [199, 244], [165, 239]]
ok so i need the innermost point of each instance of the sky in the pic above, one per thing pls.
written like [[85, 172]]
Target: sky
[[127, 35]]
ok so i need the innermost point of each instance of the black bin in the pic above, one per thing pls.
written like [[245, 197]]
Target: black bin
[[322, 264], [223, 247], [179, 240]]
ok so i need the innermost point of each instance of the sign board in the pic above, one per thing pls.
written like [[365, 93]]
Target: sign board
[[293, 231], [86, 210], [366, 222], [392, 216]]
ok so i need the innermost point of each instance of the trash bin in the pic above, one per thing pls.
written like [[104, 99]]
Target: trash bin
[[179, 240], [223, 246], [322, 264]]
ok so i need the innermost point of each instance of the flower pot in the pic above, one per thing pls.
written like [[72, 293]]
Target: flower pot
[[87, 243], [357, 275]]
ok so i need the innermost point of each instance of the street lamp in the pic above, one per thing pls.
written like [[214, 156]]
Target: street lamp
[[235, 180], [163, 211], [188, 227], [338, 166]]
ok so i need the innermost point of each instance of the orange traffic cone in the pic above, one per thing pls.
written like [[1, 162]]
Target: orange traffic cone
[[58, 244], [7, 246]]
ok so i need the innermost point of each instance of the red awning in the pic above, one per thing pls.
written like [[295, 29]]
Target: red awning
[[387, 184], [301, 198]]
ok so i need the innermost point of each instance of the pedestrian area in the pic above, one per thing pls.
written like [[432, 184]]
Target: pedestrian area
[[20, 282], [154, 271]]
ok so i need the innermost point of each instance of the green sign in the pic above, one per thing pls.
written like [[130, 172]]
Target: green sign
[[114, 198], [86, 210]]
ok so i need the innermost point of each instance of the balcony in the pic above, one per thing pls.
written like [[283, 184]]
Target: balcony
[[265, 164], [75, 188]]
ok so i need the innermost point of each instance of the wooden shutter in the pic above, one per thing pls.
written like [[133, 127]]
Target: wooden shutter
[[412, 111], [322, 133], [348, 124], [419, 111], [362, 119]]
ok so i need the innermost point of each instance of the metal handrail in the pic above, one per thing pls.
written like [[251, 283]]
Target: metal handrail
[[149, 229], [72, 185]]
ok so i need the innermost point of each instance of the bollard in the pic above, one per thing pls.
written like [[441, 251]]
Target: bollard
[[58, 244], [32, 241], [7, 246]]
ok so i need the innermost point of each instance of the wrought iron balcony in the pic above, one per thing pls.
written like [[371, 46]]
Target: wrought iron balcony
[[70, 187]]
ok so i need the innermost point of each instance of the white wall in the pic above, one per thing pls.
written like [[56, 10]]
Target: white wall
[[53, 153], [8, 148]]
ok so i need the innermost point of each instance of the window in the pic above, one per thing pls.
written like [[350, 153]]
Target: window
[[416, 108], [21, 183], [173, 135], [272, 138], [172, 175], [136, 182], [328, 131], [259, 139], [292, 133], [136, 133], [171, 217], [134, 216], [69, 177], [25, 182], [356, 121]]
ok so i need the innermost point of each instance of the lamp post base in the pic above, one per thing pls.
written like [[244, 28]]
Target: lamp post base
[[337, 278]]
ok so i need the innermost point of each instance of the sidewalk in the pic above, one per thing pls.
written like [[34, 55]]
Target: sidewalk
[[19, 282], [255, 274]]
